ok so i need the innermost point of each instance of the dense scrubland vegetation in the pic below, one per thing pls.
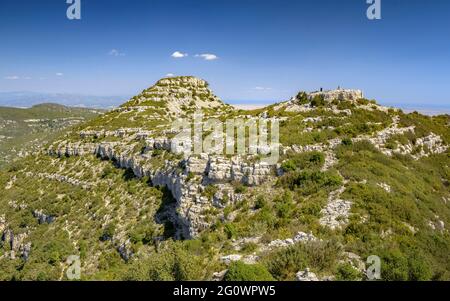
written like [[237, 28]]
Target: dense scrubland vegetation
[[122, 226]]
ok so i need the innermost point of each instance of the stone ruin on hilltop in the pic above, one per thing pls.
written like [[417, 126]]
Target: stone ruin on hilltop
[[337, 94]]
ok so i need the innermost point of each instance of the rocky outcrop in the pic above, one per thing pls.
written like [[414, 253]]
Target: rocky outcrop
[[125, 251], [219, 276], [337, 211], [220, 169], [248, 259], [120, 133], [60, 178], [354, 260], [10, 183], [385, 187], [423, 146], [73, 149], [437, 224], [190, 202], [338, 94], [301, 237], [3, 223], [306, 275], [43, 218], [16, 244], [176, 95]]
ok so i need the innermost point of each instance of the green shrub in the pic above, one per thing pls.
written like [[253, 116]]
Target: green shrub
[[309, 160], [190, 176], [318, 101], [288, 166], [398, 266], [143, 233], [172, 263], [302, 98], [239, 188], [285, 206], [346, 272], [309, 181], [394, 266], [239, 271], [210, 191], [260, 202], [108, 232], [285, 263], [230, 231], [347, 142]]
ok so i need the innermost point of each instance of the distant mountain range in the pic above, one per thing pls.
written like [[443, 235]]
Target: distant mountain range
[[24, 131], [27, 99]]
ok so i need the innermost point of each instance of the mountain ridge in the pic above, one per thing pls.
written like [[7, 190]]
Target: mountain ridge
[[354, 179]]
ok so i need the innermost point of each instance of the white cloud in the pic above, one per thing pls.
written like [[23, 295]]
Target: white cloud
[[262, 88], [208, 56], [59, 74], [12, 77], [27, 77], [115, 52], [179, 55], [170, 74]]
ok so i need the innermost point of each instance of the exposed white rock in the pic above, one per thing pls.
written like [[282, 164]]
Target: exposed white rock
[[330, 160], [17, 205], [73, 149], [337, 211], [303, 237], [354, 260], [411, 228], [3, 224], [385, 186], [300, 237], [61, 178], [423, 147], [238, 244], [306, 275], [225, 195], [386, 233], [281, 243], [177, 93], [10, 183], [231, 258], [312, 119], [219, 276], [220, 169], [338, 94], [437, 224]]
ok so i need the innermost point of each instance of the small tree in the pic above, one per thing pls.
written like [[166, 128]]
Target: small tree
[[240, 271]]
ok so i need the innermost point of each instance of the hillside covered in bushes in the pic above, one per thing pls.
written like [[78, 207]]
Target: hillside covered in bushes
[[354, 179]]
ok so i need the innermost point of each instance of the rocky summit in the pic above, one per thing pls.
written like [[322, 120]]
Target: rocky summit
[[176, 95], [354, 179]]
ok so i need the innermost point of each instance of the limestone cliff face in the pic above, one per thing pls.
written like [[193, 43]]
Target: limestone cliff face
[[191, 203], [137, 149]]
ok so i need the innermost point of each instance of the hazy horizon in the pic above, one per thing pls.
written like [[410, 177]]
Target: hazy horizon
[[111, 101], [247, 50]]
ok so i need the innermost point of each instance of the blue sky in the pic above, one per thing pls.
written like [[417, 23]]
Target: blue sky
[[266, 50]]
